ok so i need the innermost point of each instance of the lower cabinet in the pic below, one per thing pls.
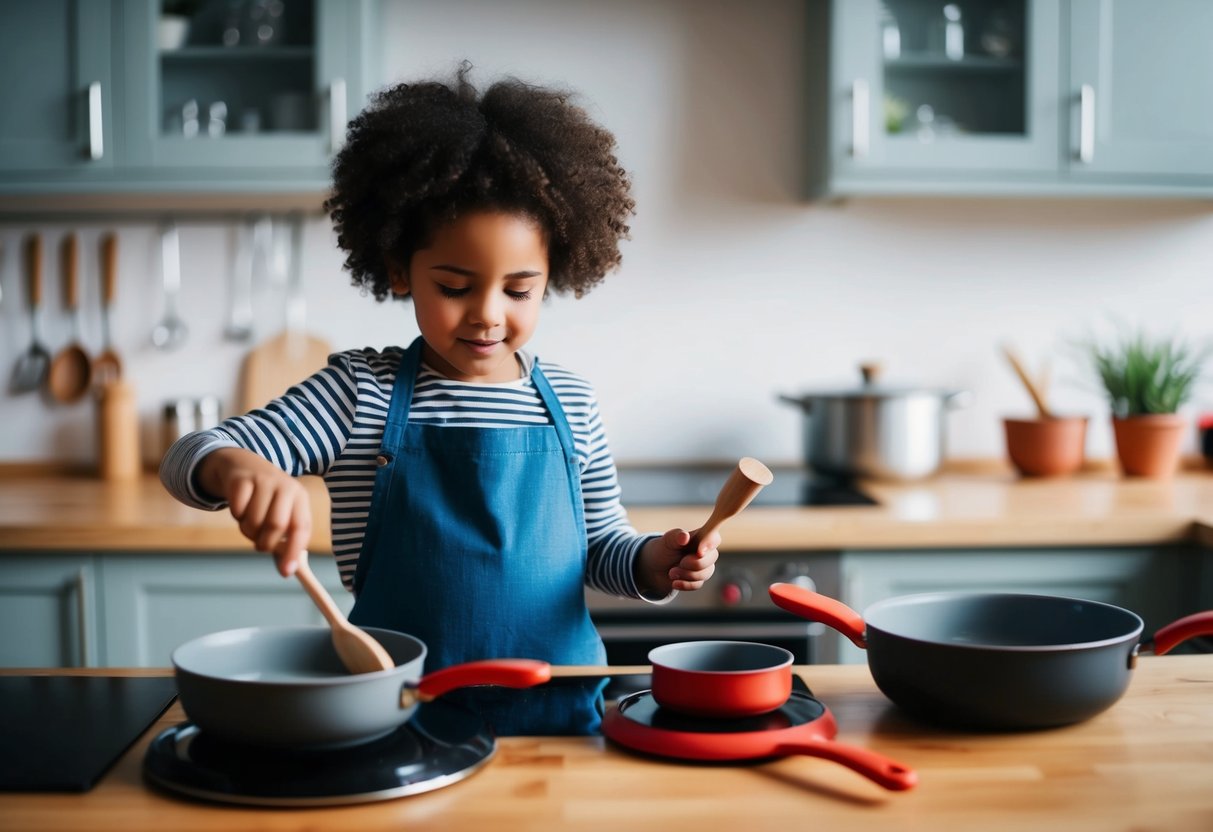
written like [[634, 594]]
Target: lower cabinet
[[1159, 584], [48, 611], [133, 610]]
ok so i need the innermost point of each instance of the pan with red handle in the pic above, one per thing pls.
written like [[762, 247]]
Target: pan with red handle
[[995, 660], [286, 687], [801, 725]]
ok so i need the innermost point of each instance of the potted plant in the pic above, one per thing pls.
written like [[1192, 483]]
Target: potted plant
[[1146, 382]]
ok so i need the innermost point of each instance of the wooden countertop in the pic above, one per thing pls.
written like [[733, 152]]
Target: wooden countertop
[[1145, 764], [979, 506]]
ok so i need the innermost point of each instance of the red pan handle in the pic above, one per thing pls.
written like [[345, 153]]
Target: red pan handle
[[1177, 632], [890, 774], [509, 673], [817, 607]]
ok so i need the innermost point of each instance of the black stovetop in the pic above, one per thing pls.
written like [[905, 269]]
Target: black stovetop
[[693, 486]]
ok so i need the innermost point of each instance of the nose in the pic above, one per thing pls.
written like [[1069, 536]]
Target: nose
[[488, 310]]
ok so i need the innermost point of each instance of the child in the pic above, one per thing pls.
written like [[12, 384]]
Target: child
[[473, 494]]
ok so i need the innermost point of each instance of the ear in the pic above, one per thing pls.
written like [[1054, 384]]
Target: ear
[[398, 279]]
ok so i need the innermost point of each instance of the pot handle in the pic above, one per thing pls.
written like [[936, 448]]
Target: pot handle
[[509, 673], [879, 769], [821, 608], [1177, 632], [804, 403]]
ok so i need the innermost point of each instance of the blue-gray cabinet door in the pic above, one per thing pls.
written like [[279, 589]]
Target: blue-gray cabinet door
[[869, 86], [161, 83], [1141, 88], [56, 102], [49, 611], [156, 603]]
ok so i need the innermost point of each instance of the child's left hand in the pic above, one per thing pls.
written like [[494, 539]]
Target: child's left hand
[[667, 563]]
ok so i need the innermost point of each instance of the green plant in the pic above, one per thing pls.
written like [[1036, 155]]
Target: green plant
[[1147, 376]]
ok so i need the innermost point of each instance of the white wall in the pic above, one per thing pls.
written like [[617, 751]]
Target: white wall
[[733, 288]]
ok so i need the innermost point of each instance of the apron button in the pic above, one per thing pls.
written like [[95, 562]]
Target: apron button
[[382, 460]]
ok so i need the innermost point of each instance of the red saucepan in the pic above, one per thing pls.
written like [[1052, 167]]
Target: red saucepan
[[709, 678], [801, 725], [286, 687], [995, 660]]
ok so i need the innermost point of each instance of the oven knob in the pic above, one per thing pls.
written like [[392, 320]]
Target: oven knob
[[735, 590], [796, 576]]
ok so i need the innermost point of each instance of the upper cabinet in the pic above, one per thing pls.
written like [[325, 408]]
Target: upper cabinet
[[179, 103], [1046, 97]]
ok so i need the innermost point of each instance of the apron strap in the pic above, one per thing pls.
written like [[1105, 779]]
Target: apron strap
[[402, 398], [552, 403]]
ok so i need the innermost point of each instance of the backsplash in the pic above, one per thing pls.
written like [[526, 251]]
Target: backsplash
[[733, 287]]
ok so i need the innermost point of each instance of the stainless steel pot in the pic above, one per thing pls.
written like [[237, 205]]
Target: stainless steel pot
[[876, 431]]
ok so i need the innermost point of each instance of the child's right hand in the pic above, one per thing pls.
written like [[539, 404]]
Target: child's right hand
[[271, 506]]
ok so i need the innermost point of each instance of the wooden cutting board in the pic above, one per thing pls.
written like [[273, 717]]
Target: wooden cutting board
[[274, 365]]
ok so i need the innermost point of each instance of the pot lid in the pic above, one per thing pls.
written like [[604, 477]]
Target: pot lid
[[871, 388]]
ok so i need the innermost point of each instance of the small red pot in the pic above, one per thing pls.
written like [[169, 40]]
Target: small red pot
[[721, 678]]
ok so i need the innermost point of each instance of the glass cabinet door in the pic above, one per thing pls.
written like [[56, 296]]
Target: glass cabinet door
[[942, 85], [237, 83]]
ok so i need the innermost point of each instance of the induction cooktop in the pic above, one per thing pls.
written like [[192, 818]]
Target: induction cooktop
[[693, 486]]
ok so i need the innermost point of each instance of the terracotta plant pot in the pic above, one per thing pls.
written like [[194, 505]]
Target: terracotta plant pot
[[1148, 445], [1046, 447]]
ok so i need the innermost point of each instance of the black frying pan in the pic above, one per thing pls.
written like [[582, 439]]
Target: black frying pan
[[995, 660]]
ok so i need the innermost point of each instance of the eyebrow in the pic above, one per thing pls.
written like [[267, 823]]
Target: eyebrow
[[462, 272]]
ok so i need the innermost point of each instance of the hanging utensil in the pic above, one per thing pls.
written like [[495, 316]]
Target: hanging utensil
[[171, 331], [31, 367], [67, 379], [107, 367], [294, 354], [240, 309], [358, 651]]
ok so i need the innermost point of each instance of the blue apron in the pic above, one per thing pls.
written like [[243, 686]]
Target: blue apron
[[475, 544]]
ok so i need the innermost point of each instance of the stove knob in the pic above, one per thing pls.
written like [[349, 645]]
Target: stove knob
[[795, 575], [735, 590]]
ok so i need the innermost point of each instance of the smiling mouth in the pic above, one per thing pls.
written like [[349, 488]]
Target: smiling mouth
[[479, 345]]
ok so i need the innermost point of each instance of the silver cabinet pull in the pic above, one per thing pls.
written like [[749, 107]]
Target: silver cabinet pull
[[1086, 124], [336, 114], [860, 119], [96, 144]]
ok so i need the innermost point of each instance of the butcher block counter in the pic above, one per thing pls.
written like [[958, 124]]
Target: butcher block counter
[[979, 505], [1144, 764]]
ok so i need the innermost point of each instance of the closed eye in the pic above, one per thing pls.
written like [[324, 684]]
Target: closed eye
[[451, 291]]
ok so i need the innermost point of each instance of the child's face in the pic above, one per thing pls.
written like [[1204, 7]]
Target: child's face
[[477, 289]]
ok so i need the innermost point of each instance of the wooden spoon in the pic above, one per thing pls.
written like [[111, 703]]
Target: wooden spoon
[[68, 377], [747, 479], [107, 366], [1034, 391], [359, 652]]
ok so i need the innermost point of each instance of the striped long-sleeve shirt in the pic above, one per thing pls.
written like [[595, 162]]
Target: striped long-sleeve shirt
[[332, 423]]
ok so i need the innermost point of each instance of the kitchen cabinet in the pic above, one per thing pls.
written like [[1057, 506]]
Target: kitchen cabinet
[[1031, 97], [48, 611], [57, 105], [1159, 585], [133, 610], [205, 103]]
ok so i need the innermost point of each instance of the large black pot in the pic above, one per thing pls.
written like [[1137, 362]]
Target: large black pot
[[995, 660]]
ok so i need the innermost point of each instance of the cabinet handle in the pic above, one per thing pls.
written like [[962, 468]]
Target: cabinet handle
[[860, 124], [336, 114], [82, 610], [96, 146], [1086, 124]]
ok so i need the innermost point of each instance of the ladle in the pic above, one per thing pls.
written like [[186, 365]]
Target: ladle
[[68, 377], [359, 652], [170, 332], [30, 369], [747, 479], [107, 366]]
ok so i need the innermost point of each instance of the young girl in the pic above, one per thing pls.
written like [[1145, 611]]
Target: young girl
[[473, 494]]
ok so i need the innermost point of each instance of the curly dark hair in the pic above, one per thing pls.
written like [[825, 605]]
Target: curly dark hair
[[422, 154]]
